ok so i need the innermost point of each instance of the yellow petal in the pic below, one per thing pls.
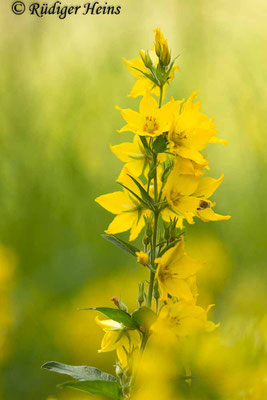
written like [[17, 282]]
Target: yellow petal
[[186, 206], [108, 324], [184, 267], [109, 341], [168, 214], [141, 86], [133, 66], [132, 117], [190, 153], [127, 181], [137, 226], [122, 355], [179, 288], [215, 139], [148, 105], [115, 202], [174, 253], [123, 151], [209, 215], [121, 223], [207, 186], [136, 167]]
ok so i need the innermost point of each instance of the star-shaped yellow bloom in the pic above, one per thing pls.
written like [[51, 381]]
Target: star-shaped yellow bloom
[[183, 319], [128, 211], [188, 197], [150, 120], [118, 338], [144, 84], [134, 155], [191, 130], [173, 271]]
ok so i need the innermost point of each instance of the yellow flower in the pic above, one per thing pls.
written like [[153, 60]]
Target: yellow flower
[[142, 258], [128, 211], [116, 337], [189, 167], [161, 47], [183, 319], [150, 120], [135, 66], [191, 131], [134, 155], [187, 196], [173, 271]]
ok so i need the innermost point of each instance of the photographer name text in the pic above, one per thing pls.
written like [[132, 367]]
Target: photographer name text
[[62, 10]]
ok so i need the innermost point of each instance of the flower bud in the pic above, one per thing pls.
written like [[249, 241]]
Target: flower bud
[[158, 39], [166, 232], [156, 292], [149, 230], [146, 58], [165, 55], [118, 371], [141, 294], [118, 303], [146, 240], [162, 48], [142, 258]]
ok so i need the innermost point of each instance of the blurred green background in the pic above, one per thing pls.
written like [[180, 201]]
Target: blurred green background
[[59, 83]]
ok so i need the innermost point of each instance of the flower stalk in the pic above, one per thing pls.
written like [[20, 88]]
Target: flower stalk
[[162, 190]]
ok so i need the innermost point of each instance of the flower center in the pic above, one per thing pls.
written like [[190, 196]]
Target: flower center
[[175, 321], [165, 274], [175, 197], [151, 124], [178, 137]]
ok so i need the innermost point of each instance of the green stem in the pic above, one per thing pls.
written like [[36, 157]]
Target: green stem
[[161, 96], [153, 251], [156, 217], [153, 256]]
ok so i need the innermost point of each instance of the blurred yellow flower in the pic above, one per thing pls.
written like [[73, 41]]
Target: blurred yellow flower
[[150, 120], [8, 263], [174, 268], [116, 337], [183, 319]]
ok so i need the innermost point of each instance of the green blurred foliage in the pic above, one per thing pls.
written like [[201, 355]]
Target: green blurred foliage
[[59, 83]]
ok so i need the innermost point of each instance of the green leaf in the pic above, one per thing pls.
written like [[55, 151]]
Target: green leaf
[[160, 144], [144, 317], [116, 315], [121, 244], [145, 196], [111, 390], [134, 194], [144, 142], [152, 78], [81, 373]]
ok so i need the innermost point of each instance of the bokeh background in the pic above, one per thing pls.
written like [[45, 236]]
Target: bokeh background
[[59, 83]]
